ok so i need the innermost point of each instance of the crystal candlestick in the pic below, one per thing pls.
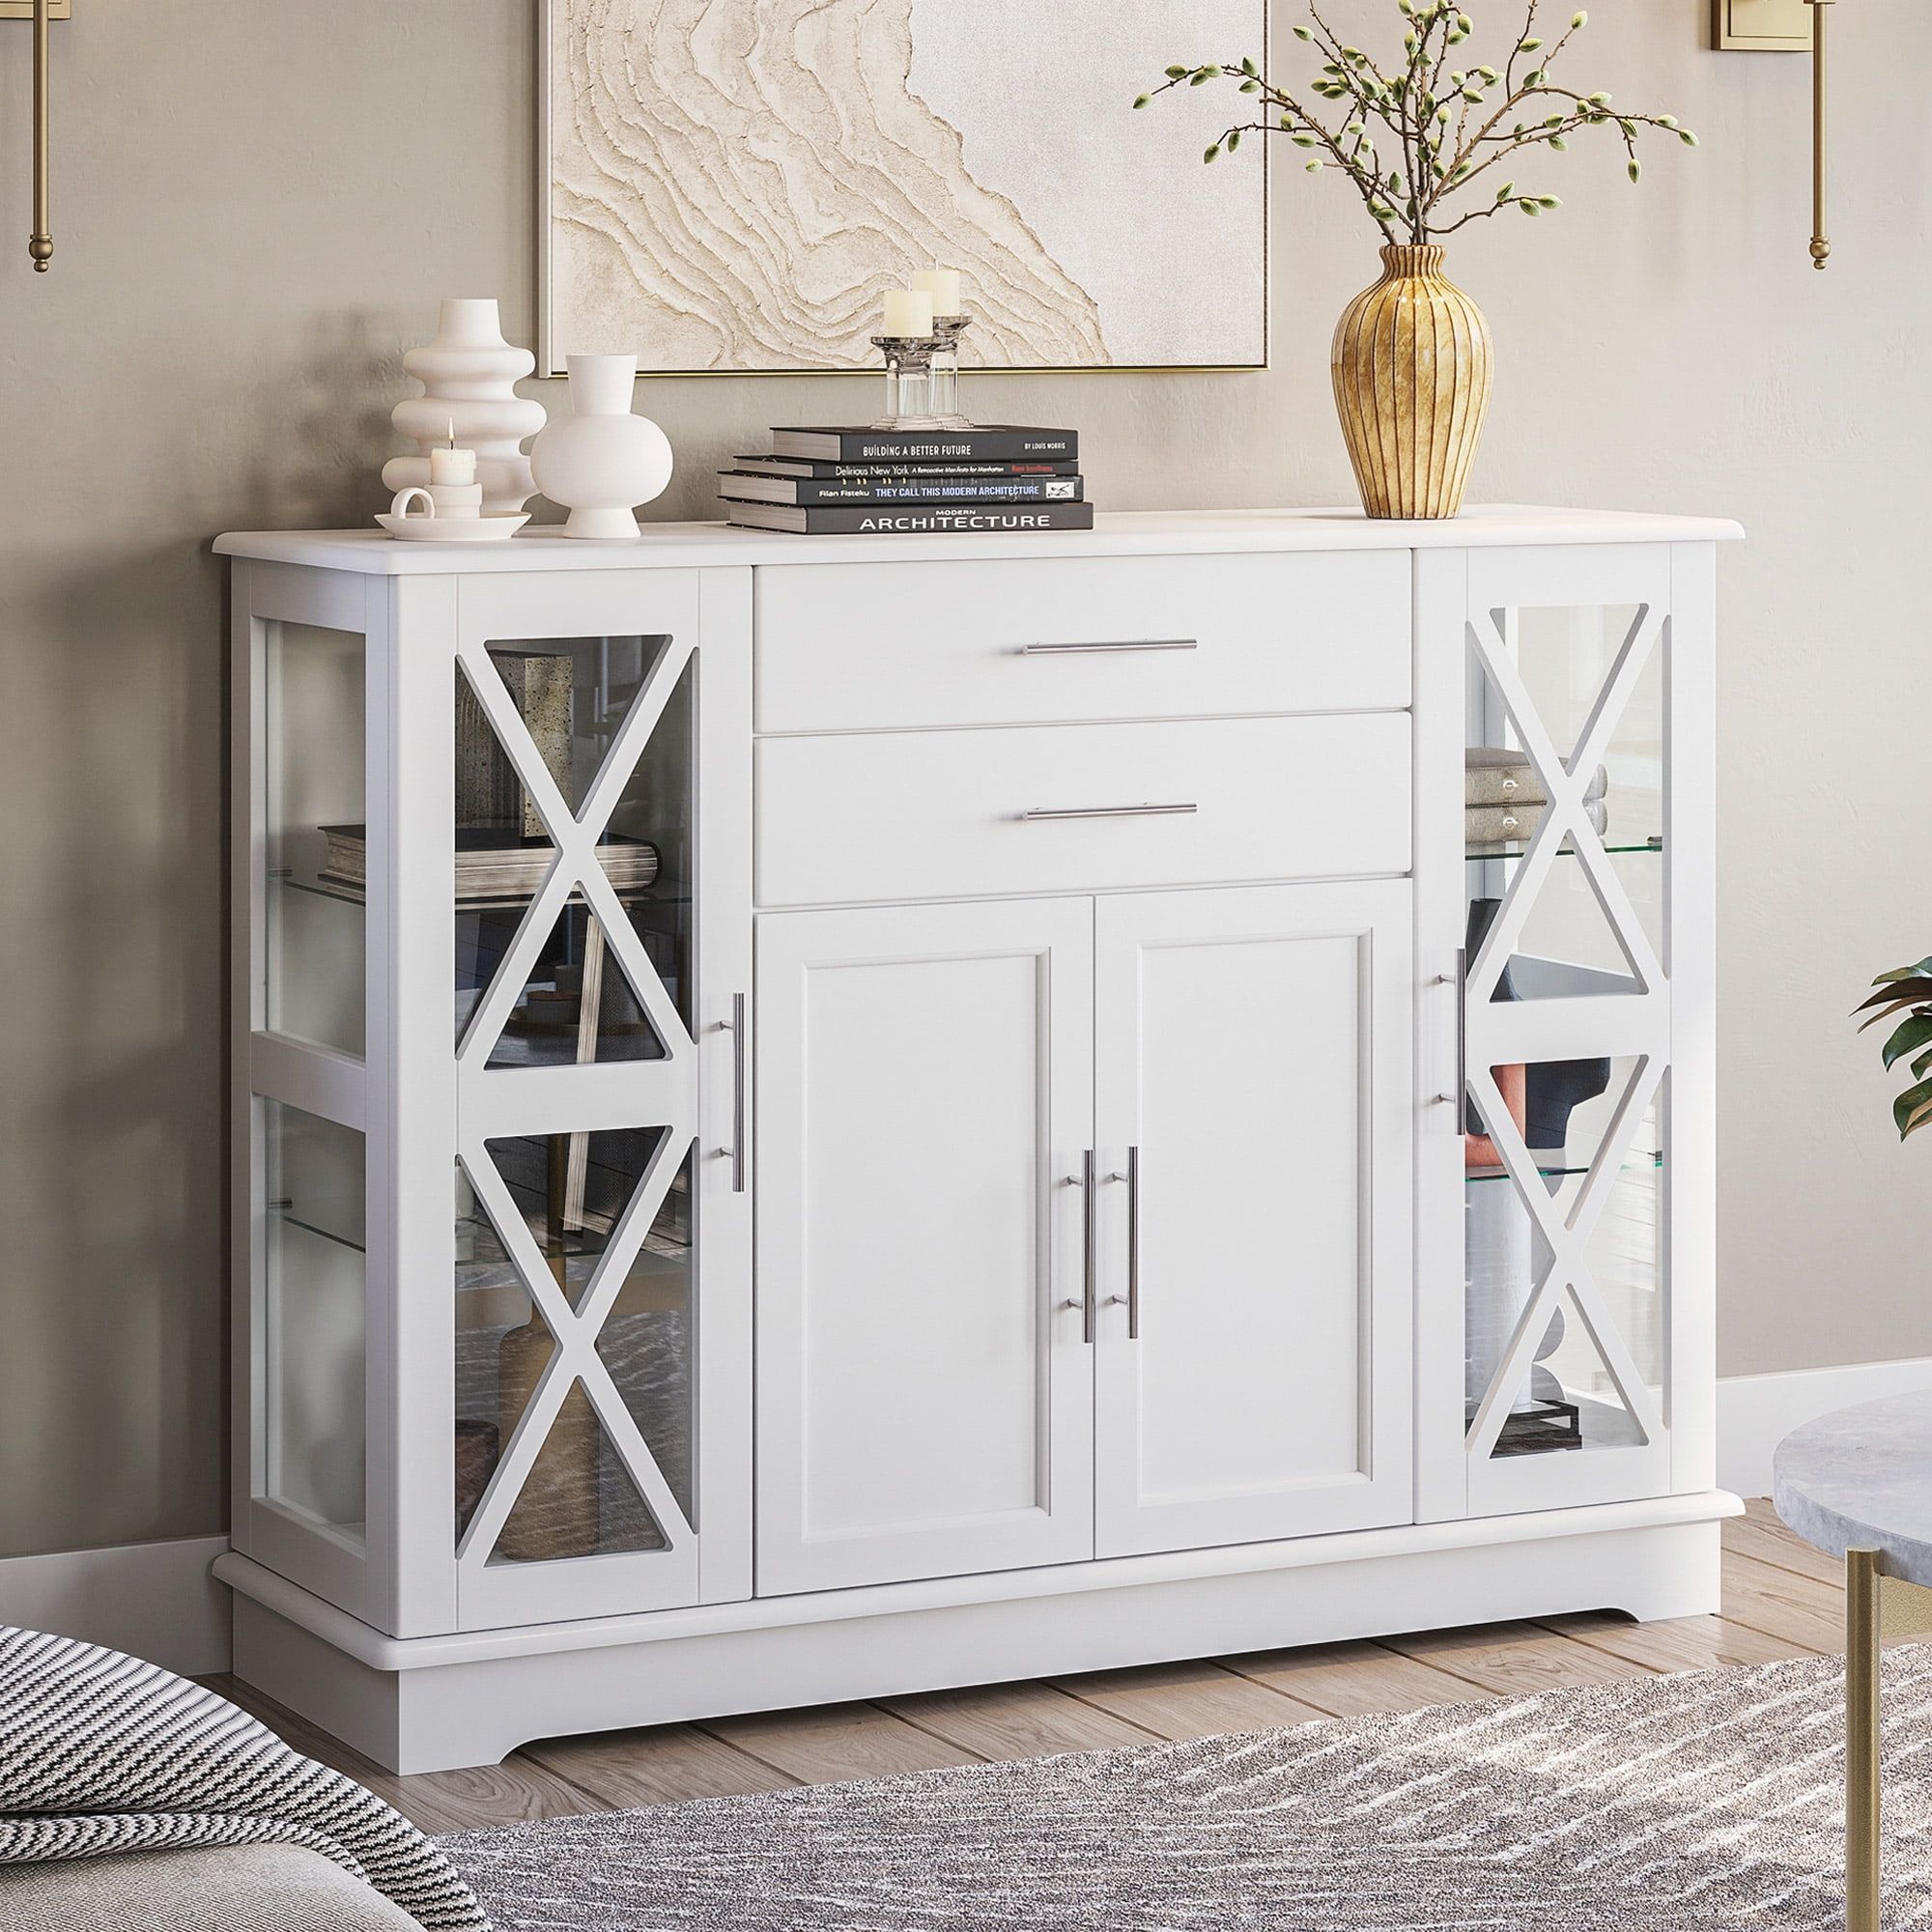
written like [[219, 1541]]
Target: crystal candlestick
[[908, 381], [947, 330]]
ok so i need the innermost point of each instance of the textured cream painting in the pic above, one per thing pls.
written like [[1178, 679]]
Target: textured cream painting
[[733, 185]]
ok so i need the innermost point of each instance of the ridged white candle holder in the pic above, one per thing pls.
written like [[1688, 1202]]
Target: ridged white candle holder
[[470, 377]]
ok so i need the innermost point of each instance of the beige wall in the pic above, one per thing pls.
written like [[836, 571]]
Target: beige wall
[[258, 203]]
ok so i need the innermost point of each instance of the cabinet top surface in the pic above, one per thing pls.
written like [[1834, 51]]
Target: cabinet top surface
[[1115, 533]]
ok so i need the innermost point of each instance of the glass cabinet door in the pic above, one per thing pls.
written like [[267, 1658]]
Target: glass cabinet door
[[579, 1212], [1566, 1043], [303, 848]]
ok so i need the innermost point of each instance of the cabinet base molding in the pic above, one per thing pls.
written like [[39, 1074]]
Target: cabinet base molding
[[441, 1703]]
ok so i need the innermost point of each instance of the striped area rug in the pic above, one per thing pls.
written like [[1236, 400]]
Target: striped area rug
[[1703, 1802]]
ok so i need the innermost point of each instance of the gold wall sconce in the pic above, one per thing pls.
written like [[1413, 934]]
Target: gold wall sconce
[[42, 13], [1787, 27]]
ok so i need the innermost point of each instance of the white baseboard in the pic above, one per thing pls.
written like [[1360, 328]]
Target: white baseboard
[[153, 1599], [1757, 1413]]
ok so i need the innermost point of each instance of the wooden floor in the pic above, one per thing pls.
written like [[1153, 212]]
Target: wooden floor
[[1782, 1599]]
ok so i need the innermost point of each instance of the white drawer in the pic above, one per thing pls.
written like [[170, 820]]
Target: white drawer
[[865, 646], [938, 815]]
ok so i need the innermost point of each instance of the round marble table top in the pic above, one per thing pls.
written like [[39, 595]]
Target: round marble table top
[[1860, 1478]]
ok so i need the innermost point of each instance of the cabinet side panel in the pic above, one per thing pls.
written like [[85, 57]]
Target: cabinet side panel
[[726, 1021], [422, 1107], [1690, 848], [1441, 600], [243, 913]]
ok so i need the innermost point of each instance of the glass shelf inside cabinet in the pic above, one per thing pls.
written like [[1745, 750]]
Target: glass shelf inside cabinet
[[1564, 1283], [312, 805], [541, 734], [1480, 855]]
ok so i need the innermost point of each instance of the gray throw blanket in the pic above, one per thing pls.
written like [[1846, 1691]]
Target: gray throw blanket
[[100, 1753]]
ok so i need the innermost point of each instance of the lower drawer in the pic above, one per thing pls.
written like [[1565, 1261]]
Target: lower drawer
[[941, 814]]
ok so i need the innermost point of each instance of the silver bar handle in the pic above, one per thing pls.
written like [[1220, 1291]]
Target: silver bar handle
[[740, 1070], [1110, 649], [1040, 813], [1459, 982], [1090, 1288], [1133, 1244], [735, 1026], [1462, 1030]]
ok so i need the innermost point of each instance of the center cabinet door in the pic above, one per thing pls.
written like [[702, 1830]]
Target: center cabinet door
[[926, 1399], [1255, 1121]]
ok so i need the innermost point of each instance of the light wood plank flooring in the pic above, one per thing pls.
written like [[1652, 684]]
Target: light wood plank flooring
[[1782, 1599]]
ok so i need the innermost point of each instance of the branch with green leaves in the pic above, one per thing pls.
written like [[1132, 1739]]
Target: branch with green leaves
[[1444, 128], [1905, 995]]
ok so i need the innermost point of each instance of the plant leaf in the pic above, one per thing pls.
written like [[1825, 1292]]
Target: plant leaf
[[1912, 1107], [1892, 1011], [1923, 970], [1908, 992], [1912, 1035]]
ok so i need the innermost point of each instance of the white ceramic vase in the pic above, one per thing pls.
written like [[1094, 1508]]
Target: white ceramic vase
[[470, 374], [601, 461]]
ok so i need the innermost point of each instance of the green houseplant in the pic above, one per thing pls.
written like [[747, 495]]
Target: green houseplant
[[1905, 994], [1428, 140]]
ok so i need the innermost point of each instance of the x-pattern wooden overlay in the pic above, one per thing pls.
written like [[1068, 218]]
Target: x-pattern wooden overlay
[[575, 1331], [1565, 1232]]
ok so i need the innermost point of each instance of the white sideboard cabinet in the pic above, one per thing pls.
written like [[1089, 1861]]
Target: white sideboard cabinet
[[827, 1118]]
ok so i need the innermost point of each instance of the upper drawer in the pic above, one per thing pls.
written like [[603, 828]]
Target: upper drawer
[[858, 646], [1079, 807]]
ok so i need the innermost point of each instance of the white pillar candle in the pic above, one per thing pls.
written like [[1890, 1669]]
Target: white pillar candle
[[452, 466], [943, 286], [908, 312]]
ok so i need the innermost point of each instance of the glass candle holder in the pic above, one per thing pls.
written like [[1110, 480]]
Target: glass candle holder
[[947, 330], [908, 381]]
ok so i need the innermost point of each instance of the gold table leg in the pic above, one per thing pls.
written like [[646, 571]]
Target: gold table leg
[[1878, 1610], [1863, 1580]]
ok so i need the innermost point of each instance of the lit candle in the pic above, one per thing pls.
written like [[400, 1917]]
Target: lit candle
[[908, 313], [943, 286], [452, 465]]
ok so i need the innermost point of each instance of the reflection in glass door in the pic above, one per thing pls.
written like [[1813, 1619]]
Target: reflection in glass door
[[578, 1002], [314, 1321], [314, 842]]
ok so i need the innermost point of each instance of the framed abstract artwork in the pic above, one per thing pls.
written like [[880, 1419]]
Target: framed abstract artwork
[[730, 186]]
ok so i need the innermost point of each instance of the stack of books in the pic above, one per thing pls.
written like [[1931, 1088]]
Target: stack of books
[[924, 482], [1504, 797], [494, 864]]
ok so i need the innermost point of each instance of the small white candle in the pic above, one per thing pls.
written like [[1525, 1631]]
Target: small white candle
[[943, 286], [452, 465], [908, 312]]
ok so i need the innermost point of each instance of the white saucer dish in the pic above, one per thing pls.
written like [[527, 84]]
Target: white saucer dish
[[453, 529]]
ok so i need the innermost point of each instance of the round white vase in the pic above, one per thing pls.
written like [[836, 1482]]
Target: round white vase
[[601, 461], [470, 377]]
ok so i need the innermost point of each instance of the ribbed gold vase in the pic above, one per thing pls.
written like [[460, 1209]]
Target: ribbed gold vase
[[1411, 363]]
